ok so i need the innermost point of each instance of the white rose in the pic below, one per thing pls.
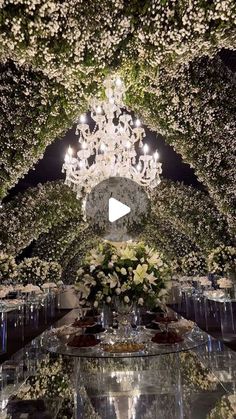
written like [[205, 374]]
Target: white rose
[[110, 265], [126, 299], [123, 271], [118, 291], [130, 269], [95, 304], [108, 299], [140, 301]]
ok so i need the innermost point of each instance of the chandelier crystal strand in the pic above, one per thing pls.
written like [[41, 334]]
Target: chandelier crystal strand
[[110, 148]]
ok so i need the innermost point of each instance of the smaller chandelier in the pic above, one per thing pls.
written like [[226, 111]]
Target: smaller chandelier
[[112, 148]]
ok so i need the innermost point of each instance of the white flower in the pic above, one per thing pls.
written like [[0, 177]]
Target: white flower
[[113, 279], [118, 291], [127, 253], [110, 265], [151, 278], [108, 299], [140, 273], [95, 304], [126, 299], [123, 271], [140, 301], [96, 258]]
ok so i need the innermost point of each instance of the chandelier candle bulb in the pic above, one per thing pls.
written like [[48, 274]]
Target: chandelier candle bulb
[[118, 82], [145, 149], [83, 119], [70, 151], [113, 144], [99, 109], [156, 156]]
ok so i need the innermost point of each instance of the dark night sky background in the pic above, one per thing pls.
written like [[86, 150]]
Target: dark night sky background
[[49, 168]]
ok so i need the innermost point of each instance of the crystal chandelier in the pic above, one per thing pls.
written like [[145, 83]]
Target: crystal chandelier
[[113, 148]]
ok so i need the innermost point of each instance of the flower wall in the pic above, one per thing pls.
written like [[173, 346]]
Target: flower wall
[[23, 219], [54, 56]]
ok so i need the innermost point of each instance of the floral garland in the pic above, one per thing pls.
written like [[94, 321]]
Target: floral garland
[[37, 271], [132, 272], [193, 264], [222, 260], [23, 219], [53, 245], [8, 267], [196, 102], [191, 212], [164, 237], [69, 55], [151, 32], [39, 111]]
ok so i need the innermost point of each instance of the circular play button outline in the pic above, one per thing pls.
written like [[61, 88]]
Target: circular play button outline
[[117, 208]]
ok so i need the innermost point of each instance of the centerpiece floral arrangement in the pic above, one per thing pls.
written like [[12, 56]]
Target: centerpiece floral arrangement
[[132, 272]]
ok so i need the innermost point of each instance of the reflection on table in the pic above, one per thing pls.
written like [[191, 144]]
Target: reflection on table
[[196, 383]]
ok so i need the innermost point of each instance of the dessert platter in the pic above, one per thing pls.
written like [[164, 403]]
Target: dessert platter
[[85, 337]]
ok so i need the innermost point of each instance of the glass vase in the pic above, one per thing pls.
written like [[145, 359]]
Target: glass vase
[[124, 318]]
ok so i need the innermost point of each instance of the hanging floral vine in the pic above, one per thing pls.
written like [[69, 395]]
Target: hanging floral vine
[[191, 212], [52, 245], [34, 110], [28, 215], [161, 234]]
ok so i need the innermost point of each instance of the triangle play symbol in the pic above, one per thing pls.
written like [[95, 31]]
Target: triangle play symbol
[[117, 209]]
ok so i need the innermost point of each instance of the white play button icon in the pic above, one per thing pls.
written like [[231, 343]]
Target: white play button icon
[[117, 210]]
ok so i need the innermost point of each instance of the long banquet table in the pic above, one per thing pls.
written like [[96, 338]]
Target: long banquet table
[[191, 384]]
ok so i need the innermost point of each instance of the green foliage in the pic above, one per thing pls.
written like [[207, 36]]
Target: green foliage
[[28, 215]]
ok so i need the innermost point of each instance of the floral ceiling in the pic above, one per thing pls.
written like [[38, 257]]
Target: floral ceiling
[[55, 54]]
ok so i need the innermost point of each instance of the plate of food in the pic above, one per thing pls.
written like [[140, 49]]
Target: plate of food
[[167, 338], [123, 347], [83, 341]]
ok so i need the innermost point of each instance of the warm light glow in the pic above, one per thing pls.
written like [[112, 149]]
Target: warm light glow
[[84, 145], [139, 167], [111, 100], [83, 118], [145, 148], [103, 147], [99, 109], [118, 82], [70, 151], [156, 155], [137, 122], [128, 144]]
